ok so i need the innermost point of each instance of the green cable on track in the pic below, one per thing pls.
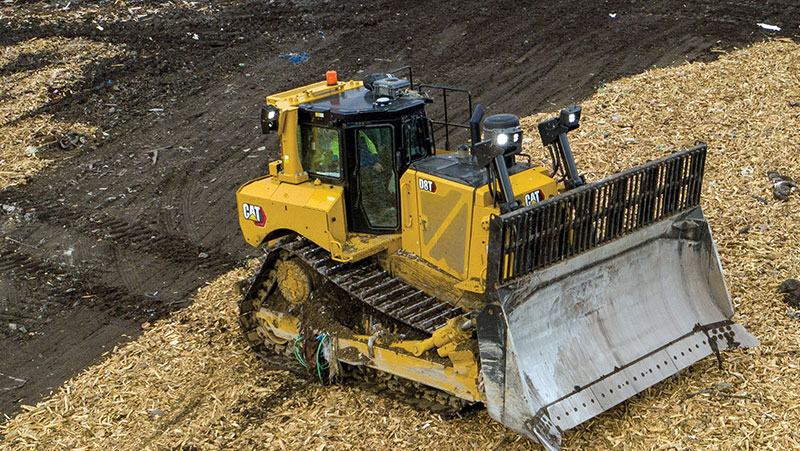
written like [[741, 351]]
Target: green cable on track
[[319, 351], [297, 353]]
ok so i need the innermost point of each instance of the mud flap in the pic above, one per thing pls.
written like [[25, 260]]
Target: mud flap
[[573, 339]]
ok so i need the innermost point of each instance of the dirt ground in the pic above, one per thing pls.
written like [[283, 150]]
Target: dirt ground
[[126, 223]]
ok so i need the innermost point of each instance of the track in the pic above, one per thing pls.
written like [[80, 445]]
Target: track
[[124, 230], [395, 302]]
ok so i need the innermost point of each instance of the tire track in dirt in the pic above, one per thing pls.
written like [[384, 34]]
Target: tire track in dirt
[[133, 235], [110, 271]]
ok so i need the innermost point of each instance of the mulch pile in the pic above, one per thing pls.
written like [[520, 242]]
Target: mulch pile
[[27, 133], [190, 381]]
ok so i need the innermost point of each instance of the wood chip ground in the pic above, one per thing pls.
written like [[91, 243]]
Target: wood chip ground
[[26, 133], [190, 383]]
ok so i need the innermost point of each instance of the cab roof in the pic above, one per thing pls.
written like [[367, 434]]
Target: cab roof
[[360, 101]]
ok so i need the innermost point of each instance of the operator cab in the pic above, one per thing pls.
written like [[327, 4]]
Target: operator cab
[[363, 140]]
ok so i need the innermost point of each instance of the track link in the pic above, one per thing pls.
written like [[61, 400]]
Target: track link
[[368, 283]]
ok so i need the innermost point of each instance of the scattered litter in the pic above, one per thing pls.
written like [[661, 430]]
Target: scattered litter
[[612, 15], [790, 288], [301, 57], [195, 37], [782, 185], [155, 413], [723, 392], [146, 325], [722, 386], [16, 382], [31, 151], [71, 140], [202, 255], [769, 27]]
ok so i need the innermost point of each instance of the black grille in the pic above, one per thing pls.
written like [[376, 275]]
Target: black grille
[[594, 214]]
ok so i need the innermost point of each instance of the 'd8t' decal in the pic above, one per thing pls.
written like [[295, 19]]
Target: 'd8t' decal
[[254, 213], [427, 185], [534, 197]]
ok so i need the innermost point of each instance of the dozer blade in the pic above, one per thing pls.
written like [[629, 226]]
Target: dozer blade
[[600, 293]]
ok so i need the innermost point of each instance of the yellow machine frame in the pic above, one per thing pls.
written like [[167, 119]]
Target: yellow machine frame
[[441, 247], [448, 228]]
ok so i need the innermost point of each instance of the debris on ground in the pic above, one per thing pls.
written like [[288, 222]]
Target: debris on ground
[[71, 140], [296, 58], [791, 292], [8, 383], [31, 151], [782, 185], [769, 27]]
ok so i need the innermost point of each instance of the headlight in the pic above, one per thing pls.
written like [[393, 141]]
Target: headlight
[[271, 114], [507, 138], [501, 139], [505, 132]]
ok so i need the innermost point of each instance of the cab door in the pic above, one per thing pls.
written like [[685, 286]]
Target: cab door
[[374, 201]]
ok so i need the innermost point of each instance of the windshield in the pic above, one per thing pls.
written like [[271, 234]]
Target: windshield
[[319, 150]]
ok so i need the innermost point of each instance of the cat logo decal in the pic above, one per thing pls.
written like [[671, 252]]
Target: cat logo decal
[[254, 213]]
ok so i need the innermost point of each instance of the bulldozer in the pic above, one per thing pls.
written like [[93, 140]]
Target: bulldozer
[[473, 275]]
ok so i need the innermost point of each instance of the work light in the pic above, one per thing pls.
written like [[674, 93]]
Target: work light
[[269, 118], [570, 116]]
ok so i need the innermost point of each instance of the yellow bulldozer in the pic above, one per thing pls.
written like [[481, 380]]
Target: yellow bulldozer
[[472, 275]]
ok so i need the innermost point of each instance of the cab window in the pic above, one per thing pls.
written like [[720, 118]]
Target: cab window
[[414, 133], [319, 150]]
